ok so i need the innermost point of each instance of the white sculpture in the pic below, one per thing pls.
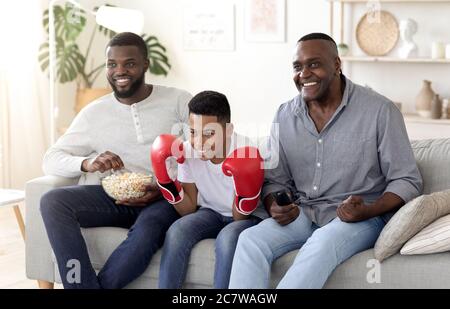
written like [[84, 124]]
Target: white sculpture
[[408, 48]]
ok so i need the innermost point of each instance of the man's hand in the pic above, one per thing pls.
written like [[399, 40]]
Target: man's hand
[[152, 194], [284, 214], [353, 209], [103, 162]]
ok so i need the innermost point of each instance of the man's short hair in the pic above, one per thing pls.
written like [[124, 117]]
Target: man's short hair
[[211, 103], [129, 39], [318, 36]]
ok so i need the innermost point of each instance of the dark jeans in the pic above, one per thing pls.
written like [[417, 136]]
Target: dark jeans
[[189, 230], [66, 210]]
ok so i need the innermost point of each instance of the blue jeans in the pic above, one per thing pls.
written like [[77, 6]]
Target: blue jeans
[[66, 210], [321, 250], [189, 230]]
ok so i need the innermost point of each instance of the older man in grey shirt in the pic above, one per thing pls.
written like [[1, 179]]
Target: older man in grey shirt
[[344, 153]]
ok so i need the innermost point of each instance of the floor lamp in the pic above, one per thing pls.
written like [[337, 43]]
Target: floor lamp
[[114, 18]]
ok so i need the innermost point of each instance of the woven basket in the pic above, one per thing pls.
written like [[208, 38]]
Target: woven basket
[[377, 33]]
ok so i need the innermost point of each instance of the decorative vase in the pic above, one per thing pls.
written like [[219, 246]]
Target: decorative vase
[[436, 107], [87, 95], [423, 100], [342, 49], [446, 108]]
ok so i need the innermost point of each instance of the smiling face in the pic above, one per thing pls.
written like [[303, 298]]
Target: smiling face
[[126, 67], [315, 66], [208, 136]]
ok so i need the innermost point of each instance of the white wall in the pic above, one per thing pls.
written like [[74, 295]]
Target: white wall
[[256, 77]]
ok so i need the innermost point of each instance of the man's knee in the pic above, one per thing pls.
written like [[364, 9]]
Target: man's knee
[[226, 241], [161, 213], [249, 237], [50, 203], [322, 243], [177, 234]]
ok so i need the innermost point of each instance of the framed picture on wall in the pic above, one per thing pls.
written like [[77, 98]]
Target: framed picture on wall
[[265, 20], [208, 26]]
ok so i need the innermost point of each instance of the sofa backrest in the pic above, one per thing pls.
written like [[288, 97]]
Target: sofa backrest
[[433, 159]]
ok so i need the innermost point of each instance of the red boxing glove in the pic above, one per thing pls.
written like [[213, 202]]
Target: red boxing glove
[[246, 167], [166, 146]]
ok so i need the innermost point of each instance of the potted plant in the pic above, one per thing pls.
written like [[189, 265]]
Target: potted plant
[[74, 65]]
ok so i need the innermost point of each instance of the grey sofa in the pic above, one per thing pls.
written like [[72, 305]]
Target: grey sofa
[[360, 271]]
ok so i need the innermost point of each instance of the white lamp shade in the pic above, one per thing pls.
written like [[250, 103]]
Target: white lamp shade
[[120, 19]]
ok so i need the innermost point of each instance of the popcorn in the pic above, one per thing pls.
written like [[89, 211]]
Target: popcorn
[[126, 186]]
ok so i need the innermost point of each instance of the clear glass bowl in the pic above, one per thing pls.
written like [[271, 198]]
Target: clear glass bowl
[[126, 185]]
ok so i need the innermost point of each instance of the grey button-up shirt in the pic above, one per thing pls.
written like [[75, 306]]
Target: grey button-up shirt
[[363, 150]]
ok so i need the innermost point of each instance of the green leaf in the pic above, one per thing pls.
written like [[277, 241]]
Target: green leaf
[[108, 33], [69, 60], [159, 62], [69, 21], [157, 54]]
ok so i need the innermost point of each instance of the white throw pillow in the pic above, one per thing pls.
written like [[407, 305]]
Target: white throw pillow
[[409, 220], [432, 239]]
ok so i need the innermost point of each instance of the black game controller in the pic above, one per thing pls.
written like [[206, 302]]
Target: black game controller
[[283, 198]]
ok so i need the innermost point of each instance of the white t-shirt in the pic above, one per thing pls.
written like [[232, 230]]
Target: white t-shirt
[[215, 189], [126, 130]]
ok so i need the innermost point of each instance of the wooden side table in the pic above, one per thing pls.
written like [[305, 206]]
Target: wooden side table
[[14, 198]]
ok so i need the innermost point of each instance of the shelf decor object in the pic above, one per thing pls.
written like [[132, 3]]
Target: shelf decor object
[[424, 99], [436, 107], [377, 33], [437, 50], [408, 48]]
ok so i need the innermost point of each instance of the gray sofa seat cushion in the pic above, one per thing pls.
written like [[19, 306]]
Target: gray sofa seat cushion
[[102, 241], [399, 271], [417, 271]]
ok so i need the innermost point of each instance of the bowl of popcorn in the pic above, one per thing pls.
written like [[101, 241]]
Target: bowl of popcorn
[[127, 185]]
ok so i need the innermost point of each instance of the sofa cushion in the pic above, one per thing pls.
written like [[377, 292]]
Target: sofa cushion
[[102, 241], [416, 271], [409, 220], [432, 239], [362, 271], [433, 159]]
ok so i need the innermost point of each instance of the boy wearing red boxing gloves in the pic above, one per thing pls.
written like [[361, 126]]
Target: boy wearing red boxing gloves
[[216, 192]]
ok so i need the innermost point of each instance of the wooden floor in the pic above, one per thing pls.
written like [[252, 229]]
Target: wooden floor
[[12, 253]]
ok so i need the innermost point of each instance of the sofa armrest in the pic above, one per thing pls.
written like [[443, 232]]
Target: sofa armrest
[[38, 252]]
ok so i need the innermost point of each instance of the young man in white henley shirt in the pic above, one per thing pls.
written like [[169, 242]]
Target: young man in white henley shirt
[[114, 132]]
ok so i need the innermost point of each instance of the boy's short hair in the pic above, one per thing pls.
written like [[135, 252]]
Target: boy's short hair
[[211, 103]]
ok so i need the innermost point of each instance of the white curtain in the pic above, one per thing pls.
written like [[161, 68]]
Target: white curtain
[[24, 105]]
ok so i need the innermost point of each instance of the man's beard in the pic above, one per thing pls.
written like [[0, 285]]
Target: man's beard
[[130, 92]]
